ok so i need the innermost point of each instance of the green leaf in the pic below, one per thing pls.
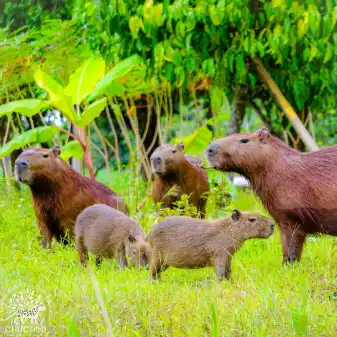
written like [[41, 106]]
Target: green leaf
[[313, 52], [26, 107], [134, 25], [240, 64], [159, 55], [91, 112], [46, 82], [157, 12], [118, 71], [84, 79], [38, 135], [327, 56], [252, 79], [180, 30], [115, 89], [213, 14], [196, 142], [72, 149], [277, 3], [57, 97]]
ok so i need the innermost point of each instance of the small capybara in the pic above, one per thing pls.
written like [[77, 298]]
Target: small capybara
[[108, 233], [184, 242], [172, 168], [59, 192], [298, 189]]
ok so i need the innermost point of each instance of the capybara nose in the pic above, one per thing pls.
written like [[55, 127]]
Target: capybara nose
[[272, 226], [21, 163], [158, 160], [212, 149]]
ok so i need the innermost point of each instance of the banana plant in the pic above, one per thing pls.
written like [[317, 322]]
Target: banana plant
[[79, 102]]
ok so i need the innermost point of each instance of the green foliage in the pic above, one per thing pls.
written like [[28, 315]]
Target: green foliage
[[109, 83], [57, 97], [26, 107], [72, 149], [38, 135], [84, 79], [91, 112], [196, 142], [294, 39]]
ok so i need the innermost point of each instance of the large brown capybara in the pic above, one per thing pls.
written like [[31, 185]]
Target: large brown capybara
[[298, 189], [59, 192], [108, 233], [183, 173], [184, 242]]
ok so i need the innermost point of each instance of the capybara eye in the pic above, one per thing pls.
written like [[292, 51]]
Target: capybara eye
[[244, 140], [174, 151], [44, 155], [251, 219]]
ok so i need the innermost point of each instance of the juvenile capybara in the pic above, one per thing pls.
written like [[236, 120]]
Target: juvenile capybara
[[108, 233], [184, 242], [174, 169], [59, 192], [298, 189]]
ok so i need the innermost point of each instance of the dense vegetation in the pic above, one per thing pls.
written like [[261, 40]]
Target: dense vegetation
[[109, 81]]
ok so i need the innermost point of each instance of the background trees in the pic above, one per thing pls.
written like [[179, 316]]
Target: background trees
[[197, 68]]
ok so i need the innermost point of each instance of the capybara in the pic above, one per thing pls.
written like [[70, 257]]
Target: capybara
[[174, 169], [59, 192], [298, 189], [108, 233], [184, 242]]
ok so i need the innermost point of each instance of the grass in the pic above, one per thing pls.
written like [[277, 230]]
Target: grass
[[264, 298]]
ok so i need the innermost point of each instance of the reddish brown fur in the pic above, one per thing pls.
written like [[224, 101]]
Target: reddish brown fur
[[59, 192], [298, 189], [108, 233], [183, 242], [179, 170]]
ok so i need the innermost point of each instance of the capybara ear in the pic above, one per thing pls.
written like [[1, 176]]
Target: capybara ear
[[236, 214], [263, 134], [180, 147], [56, 151], [131, 238]]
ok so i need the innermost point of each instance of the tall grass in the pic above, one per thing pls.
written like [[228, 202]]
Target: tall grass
[[264, 298]]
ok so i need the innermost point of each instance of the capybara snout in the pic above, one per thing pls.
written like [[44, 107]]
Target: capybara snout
[[108, 233], [137, 250]]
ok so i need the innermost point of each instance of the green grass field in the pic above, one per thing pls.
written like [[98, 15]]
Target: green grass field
[[264, 298]]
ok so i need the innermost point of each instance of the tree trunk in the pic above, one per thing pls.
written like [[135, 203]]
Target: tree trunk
[[285, 106], [240, 102]]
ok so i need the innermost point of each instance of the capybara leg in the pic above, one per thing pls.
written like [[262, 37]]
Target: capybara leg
[[99, 260], [222, 266], [155, 268], [82, 251], [220, 270], [202, 209], [285, 240], [296, 245], [292, 244], [47, 235], [228, 269]]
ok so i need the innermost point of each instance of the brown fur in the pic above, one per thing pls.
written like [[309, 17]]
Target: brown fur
[[183, 242], [173, 168], [59, 192], [298, 189], [108, 233]]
